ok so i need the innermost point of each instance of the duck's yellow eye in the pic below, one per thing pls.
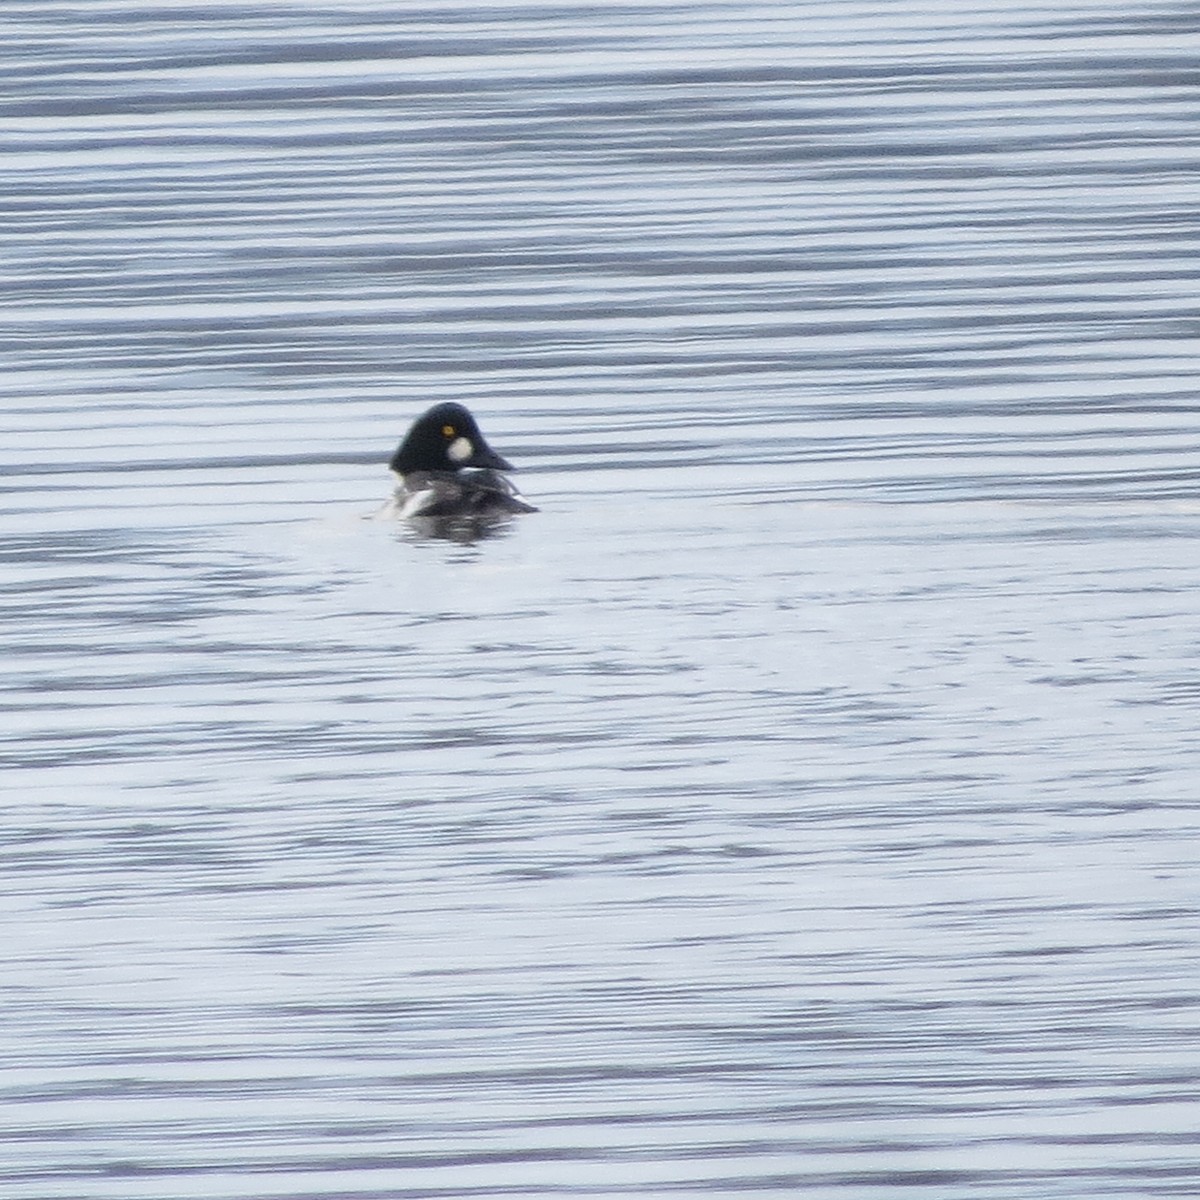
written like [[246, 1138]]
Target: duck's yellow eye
[[447, 431]]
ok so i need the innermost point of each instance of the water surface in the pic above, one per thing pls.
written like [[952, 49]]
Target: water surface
[[802, 803]]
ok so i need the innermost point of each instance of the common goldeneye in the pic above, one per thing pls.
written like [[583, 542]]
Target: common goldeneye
[[446, 469]]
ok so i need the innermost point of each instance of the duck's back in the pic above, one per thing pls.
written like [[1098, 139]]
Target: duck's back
[[470, 493]]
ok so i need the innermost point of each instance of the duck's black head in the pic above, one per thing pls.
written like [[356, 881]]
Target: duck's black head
[[445, 438]]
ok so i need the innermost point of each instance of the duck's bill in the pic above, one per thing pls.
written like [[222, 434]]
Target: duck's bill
[[485, 456]]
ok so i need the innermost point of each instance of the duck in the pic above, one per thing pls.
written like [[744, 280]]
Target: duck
[[446, 469]]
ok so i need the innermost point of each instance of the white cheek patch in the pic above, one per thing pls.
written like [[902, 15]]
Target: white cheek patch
[[459, 450]]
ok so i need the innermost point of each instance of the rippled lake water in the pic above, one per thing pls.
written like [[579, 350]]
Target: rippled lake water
[[804, 802]]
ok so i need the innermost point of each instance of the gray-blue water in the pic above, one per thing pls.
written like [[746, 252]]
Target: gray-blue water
[[804, 802]]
